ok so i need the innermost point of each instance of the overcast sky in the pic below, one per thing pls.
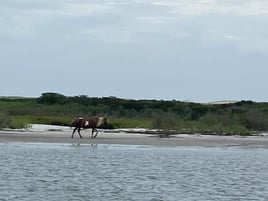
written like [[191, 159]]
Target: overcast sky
[[195, 50]]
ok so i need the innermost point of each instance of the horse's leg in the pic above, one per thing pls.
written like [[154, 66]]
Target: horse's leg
[[93, 129], [79, 132], [92, 133], [74, 132], [96, 133]]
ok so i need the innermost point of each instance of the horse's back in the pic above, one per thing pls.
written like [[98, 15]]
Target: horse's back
[[88, 122], [91, 122]]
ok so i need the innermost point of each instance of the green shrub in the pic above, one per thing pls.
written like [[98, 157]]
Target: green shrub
[[4, 120], [7, 121], [165, 121], [130, 123], [255, 120], [17, 123]]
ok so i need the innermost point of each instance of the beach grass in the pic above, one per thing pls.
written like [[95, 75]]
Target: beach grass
[[208, 126]]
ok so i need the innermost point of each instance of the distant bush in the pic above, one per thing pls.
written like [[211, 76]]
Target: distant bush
[[255, 120], [5, 120], [165, 121], [52, 98]]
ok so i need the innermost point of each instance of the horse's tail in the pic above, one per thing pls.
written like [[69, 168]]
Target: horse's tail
[[72, 124], [76, 122]]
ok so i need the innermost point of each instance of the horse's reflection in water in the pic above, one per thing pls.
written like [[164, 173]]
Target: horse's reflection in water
[[88, 122], [91, 145]]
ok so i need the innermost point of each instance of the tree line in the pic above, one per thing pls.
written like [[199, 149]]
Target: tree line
[[240, 117]]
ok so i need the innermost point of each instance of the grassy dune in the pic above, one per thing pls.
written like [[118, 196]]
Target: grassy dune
[[244, 117]]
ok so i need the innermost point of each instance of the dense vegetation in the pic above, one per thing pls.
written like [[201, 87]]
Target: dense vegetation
[[243, 117]]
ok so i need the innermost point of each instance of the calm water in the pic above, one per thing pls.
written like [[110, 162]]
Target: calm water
[[115, 172]]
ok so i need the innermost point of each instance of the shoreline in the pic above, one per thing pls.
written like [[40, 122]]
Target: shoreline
[[57, 134]]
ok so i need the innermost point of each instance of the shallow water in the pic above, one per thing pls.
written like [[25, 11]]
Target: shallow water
[[117, 172]]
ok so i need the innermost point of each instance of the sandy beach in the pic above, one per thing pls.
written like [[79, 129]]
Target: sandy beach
[[58, 134]]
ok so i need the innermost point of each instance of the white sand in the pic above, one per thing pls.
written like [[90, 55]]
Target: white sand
[[59, 134]]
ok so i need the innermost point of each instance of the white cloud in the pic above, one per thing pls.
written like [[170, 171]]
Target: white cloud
[[234, 38], [203, 7], [236, 22], [76, 9], [26, 21], [109, 35], [85, 8], [155, 20]]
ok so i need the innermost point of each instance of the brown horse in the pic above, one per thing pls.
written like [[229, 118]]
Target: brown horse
[[88, 122]]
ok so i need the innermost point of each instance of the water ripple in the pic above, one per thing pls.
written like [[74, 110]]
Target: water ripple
[[102, 172]]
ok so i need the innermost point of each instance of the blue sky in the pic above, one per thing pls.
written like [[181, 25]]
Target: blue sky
[[194, 50]]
